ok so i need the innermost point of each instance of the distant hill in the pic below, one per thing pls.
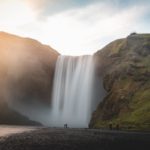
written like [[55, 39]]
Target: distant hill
[[26, 75], [124, 65]]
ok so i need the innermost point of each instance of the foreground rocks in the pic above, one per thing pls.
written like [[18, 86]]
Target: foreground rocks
[[76, 139]]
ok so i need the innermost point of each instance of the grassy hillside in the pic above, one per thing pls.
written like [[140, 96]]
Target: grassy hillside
[[125, 67]]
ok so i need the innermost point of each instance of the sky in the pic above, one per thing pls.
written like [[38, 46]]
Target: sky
[[75, 27]]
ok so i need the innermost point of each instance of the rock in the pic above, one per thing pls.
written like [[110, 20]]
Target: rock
[[26, 71], [10, 117], [126, 79]]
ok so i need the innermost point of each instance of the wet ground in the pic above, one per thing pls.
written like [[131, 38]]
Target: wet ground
[[9, 130], [31, 138]]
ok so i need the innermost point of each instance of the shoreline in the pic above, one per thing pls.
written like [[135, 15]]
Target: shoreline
[[75, 139]]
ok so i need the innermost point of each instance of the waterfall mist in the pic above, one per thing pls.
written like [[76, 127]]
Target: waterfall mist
[[72, 91], [77, 91], [26, 78]]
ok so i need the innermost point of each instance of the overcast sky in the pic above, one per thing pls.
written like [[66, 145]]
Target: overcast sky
[[75, 27]]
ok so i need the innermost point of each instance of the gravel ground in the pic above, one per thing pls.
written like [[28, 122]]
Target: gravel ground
[[75, 139]]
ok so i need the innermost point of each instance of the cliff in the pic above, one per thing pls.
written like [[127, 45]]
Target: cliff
[[124, 66], [26, 74], [11, 117]]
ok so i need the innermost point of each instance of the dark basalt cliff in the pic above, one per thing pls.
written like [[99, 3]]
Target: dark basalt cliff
[[124, 66], [26, 74]]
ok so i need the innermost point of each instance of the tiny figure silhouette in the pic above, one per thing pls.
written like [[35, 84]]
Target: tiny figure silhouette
[[117, 127], [65, 125], [110, 126]]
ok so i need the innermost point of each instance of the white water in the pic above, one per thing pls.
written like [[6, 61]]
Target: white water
[[72, 91], [77, 92]]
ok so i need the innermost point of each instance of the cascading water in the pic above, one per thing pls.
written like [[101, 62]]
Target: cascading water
[[72, 91], [77, 91]]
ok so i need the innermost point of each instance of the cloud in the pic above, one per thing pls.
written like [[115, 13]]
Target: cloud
[[75, 29], [14, 13], [83, 30], [45, 8]]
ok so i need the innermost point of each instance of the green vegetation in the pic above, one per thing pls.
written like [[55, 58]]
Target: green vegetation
[[116, 47], [127, 80]]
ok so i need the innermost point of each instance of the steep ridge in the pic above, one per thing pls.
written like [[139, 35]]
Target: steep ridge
[[26, 73], [124, 66]]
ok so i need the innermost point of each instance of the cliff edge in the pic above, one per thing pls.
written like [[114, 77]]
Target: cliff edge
[[124, 66]]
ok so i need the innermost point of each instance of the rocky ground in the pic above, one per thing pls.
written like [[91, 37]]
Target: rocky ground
[[75, 139]]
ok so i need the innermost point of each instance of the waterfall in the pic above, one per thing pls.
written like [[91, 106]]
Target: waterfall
[[72, 91], [77, 91]]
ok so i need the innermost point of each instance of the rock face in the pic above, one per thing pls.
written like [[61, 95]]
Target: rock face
[[26, 71], [124, 66], [10, 117]]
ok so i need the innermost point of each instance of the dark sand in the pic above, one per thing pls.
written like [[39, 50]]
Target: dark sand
[[75, 139]]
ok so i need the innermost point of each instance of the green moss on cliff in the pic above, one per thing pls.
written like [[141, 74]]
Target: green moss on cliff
[[126, 79]]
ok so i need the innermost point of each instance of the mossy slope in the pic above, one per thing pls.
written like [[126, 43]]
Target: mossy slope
[[125, 67]]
